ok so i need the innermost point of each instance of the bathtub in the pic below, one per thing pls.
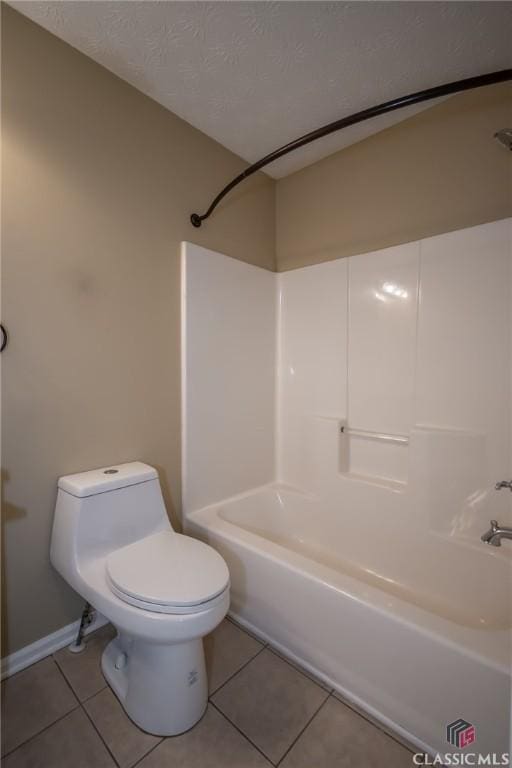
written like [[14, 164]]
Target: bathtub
[[417, 635]]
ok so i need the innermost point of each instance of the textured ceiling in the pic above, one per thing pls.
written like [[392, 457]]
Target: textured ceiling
[[255, 75]]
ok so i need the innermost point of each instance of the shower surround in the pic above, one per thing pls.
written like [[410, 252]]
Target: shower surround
[[344, 426]]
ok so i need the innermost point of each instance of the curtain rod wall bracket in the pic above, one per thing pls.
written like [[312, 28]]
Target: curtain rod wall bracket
[[492, 78]]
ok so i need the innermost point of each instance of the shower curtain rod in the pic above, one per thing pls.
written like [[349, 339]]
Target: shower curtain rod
[[358, 117]]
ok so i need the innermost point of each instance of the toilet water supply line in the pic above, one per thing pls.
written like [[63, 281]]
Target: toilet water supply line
[[87, 617], [358, 117]]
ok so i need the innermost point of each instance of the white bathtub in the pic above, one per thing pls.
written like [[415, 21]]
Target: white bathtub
[[417, 634]]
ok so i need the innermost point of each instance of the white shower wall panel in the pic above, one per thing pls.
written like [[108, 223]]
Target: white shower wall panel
[[228, 376], [383, 290], [415, 341], [463, 377], [412, 341], [312, 359]]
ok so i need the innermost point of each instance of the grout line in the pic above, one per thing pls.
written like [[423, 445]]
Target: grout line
[[235, 673], [330, 691], [100, 736], [300, 670], [82, 707], [46, 727], [276, 652], [39, 733], [80, 704], [164, 738], [242, 733], [75, 694], [66, 681], [328, 696], [100, 690]]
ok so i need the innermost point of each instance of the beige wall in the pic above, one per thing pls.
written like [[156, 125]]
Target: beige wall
[[438, 171], [99, 182]]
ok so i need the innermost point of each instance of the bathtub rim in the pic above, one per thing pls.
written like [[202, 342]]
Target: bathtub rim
[[474, 642]]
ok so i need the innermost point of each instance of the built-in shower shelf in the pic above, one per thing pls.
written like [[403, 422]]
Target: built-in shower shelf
[[397, 486], [378, 458], [383, 437]]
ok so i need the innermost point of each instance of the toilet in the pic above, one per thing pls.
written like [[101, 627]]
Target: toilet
[[113, 543]]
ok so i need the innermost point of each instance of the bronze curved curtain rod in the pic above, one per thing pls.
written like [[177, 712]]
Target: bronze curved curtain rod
[[358, 117]]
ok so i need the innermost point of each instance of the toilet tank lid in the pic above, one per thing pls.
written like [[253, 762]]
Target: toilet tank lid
[[107, 479]]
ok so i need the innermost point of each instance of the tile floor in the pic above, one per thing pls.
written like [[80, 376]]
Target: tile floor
[[263, 712]]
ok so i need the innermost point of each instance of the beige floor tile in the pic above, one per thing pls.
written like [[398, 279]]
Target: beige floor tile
[[126, 742], [407, 744], [271, 702], [212, 743], [32, 700], [301, 669], [338, 736], [227, 649], [249, 632], [70, 743], [83, 670]]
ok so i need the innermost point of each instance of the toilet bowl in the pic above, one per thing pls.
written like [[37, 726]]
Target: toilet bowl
[[113, 543]]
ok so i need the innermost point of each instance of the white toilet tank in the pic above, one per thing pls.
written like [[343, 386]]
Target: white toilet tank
[[102, 510]]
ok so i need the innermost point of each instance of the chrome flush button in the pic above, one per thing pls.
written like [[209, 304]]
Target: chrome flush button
[[110, 471]]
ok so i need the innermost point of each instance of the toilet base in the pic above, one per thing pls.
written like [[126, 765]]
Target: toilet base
[[163, 688]]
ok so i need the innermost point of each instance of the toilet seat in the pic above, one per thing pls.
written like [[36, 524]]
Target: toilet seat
[[168, 573]]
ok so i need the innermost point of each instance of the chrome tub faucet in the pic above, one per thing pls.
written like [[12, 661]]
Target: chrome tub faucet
[[495, 534]]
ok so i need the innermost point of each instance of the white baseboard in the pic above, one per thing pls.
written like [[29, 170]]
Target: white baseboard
[[28, 655]]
